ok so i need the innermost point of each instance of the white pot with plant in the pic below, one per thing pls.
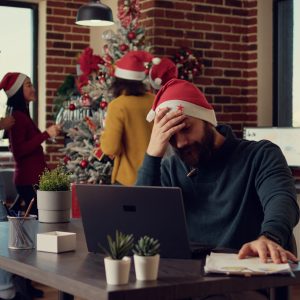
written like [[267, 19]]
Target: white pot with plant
[[117, 263], [146, 258], [54, 197]]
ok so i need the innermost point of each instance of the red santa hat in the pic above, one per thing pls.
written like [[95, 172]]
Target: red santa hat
[[161, 72], [179, 94], [11, 83], [132, 65]]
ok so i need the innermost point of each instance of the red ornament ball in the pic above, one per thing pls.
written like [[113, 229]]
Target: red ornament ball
[[103, 104], [123, 47], [84, 163], [131, 35], [66, 159], [72, 106]]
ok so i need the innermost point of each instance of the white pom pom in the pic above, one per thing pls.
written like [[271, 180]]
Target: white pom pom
[[151, 115], [156, 60], [157, 81]]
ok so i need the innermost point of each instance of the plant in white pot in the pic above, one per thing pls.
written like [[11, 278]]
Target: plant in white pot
[[146, 258], [117, 263], [54, 198]]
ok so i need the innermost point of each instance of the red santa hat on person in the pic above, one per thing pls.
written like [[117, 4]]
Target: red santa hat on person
[[11, 83], [179, 94], [161, 72], [132, 65]]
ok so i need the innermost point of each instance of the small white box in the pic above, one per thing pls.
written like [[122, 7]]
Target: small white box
[[56, 241]]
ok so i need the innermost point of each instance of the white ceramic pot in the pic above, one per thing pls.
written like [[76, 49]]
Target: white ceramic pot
[[117, 271], [54, 206], [146, 267]]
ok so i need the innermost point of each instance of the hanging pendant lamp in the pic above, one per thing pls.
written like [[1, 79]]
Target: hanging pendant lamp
[[94, 14]]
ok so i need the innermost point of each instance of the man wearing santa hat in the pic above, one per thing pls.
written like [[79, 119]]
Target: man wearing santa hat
[[127, 133], [238, 194]]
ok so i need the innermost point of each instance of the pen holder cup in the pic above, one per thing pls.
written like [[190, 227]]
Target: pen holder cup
[[22, 232]]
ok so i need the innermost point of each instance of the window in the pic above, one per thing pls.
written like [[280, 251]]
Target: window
[[18, 48]]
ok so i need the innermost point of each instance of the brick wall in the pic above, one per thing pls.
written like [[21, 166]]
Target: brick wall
[[224, 33], [65, 41]]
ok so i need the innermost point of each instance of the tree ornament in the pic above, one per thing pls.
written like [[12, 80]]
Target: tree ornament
[[72, 107], [131, 35], [102, 80], [66, 159], [103, 104], [84, 163], [123, 47]]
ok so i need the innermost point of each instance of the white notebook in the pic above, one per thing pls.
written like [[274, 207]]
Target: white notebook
[[230, 264]]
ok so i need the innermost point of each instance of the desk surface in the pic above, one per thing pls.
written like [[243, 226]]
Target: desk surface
[[82, 274]]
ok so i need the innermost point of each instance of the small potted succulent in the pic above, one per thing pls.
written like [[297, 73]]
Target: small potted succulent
[[146, 258], [54, 197], [117, 263]]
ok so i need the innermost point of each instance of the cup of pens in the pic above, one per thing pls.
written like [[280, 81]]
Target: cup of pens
[[22, 232]]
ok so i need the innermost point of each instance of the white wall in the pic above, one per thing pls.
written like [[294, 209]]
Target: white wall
[[265, 62]]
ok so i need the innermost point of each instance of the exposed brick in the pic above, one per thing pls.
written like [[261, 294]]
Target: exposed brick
[[213, 90], [231, 91], [232, 108], [217, 2], [183, 25], [174, 32], [236, 3], [202, 45], [213, 72], [214, 36], [222, 99], [214, 19], [203, 8], [183, 6], [162, 22], [194, 34], [222, 10], [203, 26], [233, 73], [61, 12], [221, 46], [194, 16], [164, 4], [213, 54], [233, 20], [175, 14], [62, 45], [55, 36], [222, 28], [222, 81]]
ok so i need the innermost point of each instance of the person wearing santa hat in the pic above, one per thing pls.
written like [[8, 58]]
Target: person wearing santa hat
[[238, 194], [25, 138], [127, 133], [161, 71]]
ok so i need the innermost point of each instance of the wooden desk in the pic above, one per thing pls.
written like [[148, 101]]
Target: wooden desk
[[82, 274]]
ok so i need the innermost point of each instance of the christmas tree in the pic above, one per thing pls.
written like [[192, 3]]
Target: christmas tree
[[82, 102]]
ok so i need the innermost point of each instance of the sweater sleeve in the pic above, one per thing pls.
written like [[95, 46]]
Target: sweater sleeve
[[276, 190], [149, 174], [111, 138], [19, 145]]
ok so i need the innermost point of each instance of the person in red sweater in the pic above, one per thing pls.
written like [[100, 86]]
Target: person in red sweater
[[25, 138]]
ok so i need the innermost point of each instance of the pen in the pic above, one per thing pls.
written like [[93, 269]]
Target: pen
[[29, 208], [192, 172]]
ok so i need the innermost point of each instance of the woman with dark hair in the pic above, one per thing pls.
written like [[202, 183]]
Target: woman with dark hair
[[127, 133], [25, 138]]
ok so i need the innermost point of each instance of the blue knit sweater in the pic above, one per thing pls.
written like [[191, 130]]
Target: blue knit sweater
[[245, 190]]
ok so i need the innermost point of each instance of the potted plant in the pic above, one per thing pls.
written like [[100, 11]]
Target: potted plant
[[117, 263], [146, 258], [54, 196]]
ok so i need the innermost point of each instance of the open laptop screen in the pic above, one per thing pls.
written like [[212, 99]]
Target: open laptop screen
[[154, 211]]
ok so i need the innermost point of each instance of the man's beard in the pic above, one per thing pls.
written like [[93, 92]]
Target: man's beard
[[199, 152]]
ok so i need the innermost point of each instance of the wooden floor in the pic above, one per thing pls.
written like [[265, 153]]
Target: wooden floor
[[51, 294]]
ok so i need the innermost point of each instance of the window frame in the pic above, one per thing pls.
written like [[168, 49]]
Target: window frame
[[34, 8]]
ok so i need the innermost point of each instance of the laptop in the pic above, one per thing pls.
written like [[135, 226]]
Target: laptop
[[154, 211]]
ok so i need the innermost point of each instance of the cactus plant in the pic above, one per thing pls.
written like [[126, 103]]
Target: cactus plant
[[119, 247], [146, 246]]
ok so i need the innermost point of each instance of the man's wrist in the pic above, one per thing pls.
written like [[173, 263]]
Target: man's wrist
[[271, 237]]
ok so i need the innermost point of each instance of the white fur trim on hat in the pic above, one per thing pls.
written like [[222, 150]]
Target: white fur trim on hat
[[17, 84], [131, 75], [189, 109], [154, 83], [156, 60]]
